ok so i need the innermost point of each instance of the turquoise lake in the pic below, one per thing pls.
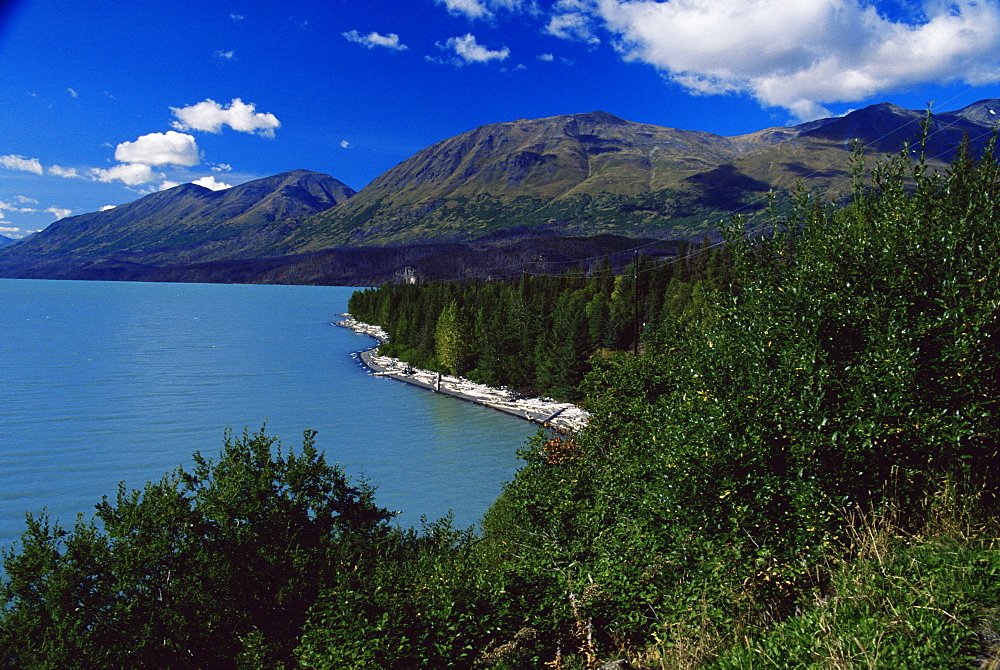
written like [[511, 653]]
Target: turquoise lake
[[104, 382]]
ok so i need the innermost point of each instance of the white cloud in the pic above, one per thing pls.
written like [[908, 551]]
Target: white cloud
[[105, 208], [373, 39], [12, 162], [547, 58], [210, 183], [165, 185], [469, 51], [222, 167], [225, 55], [481, 9], [473, 9], [131, 174], [344, 144], [237, 17], [59, 212], [573, 26], [72, 93], [799, 55], [14, 208], [69, 173], [210, 116], [25, 200], [169, 148]]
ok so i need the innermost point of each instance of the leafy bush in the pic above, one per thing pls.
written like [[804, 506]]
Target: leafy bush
[[201, 569], [853, 362]]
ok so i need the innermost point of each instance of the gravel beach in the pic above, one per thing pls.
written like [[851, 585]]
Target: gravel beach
[[543, 411]]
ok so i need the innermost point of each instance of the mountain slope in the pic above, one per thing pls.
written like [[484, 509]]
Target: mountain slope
[[589, 174], [498, 189], [184, 224], [457, 187]]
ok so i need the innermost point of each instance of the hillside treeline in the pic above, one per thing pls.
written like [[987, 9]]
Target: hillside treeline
[[540, 334], [801, 474]]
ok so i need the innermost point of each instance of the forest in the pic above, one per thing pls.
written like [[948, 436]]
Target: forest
[[541, 333], [792, 462]]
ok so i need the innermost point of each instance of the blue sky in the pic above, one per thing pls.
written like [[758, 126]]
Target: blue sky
[[104, 101]]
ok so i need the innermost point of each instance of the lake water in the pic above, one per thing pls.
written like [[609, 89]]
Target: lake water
[[103, 382]]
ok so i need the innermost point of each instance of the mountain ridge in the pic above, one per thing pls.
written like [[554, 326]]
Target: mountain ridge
[[560, 172], [184, 224], [582, 175]]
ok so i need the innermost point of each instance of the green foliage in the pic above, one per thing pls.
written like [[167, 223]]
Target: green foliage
[[898, 601], [453, 339], [539, 334], [427, 602], [727, 507], [198, 570], [853, 362]]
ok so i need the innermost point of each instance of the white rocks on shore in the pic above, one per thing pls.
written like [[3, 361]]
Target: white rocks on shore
[[540, 410]]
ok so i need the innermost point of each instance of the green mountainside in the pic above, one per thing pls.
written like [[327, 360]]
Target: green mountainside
[[497, 189], [591, 174], [182, 225]]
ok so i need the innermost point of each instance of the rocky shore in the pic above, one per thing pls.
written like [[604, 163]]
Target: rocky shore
[[543, 411]]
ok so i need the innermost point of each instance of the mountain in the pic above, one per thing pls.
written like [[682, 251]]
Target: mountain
[[7, 241], [525, 195], [181, 225], [594, 173]]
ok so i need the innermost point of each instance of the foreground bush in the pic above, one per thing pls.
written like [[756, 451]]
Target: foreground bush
[[211, 568]]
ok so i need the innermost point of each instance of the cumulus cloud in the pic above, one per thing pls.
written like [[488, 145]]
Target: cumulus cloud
[[131, 174], [799, 55], [210, 116], [469, 51], [210, 183], [344, 144], [105, 208], [373, 39], [12, 162], [573, 26], [59, 171], [59, 212], [169, 148]]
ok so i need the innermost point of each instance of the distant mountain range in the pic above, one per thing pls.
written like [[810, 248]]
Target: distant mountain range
[[184, 225], [6, 241], [526, 194]]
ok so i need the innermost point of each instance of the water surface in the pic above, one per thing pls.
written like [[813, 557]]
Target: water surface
[[102, 382]]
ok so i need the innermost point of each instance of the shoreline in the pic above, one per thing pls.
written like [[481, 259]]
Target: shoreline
[[543, 411]]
